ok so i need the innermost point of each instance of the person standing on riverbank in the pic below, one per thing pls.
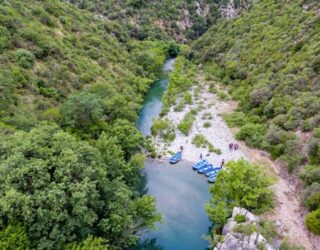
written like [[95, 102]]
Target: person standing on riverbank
[[201, 157], [222, 164]]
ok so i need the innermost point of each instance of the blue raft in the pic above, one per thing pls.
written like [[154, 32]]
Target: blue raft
[[200, 164], [176, 157]]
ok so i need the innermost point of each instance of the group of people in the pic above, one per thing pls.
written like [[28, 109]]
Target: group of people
[[233, 146]]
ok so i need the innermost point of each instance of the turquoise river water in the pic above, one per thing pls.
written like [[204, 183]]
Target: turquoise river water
[[180, 192]]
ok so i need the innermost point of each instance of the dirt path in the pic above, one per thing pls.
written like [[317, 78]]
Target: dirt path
[[288, 213]]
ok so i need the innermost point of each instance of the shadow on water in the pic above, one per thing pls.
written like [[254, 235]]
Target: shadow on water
[[149, 244]]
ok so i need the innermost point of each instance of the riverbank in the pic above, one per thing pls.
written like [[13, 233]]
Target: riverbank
[[208, 109], [288, 213]]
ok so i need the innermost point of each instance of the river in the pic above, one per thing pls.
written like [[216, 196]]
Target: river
[[180, 192]]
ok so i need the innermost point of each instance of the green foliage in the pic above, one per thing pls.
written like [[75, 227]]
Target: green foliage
[[199, 141], [164, 129], [246, 229], [287, 246], [311, 197], [82, 110], [181, 78], [239, 218], [159, 19], [310, 174], [207, 124], [270, 64], [253, 134], [24, 58], [186, 124], [48, 164], [89, 244], [242, 184], [14, 237], [235, 119], [313, 221], [268, 230]]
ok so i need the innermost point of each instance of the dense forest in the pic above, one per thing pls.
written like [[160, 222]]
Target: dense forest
[[269, 60], [71, 87], [180, 20], [73, 75]]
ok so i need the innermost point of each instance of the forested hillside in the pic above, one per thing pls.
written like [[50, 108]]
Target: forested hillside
[[70, 90], [179, 20], [269, 60]]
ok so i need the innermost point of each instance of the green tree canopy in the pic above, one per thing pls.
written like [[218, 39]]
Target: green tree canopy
[[241, 184], [57, 187]]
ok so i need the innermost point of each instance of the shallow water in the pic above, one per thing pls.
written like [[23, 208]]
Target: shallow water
[[180, 192]]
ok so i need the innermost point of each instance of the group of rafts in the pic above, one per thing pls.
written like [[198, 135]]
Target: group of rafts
[[203, 167]]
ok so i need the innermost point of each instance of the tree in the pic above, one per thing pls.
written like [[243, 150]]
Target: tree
[[58, 189], [241, 184], [82, 110], [313, 221], [91, 243], [14, 237]]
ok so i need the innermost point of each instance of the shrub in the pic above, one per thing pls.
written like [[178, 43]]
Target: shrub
[[186, 124], [159, 126], [311, 196], [268, 230], [181, 105], [222, 95], [313, 221], [314, 151], [235, 119], [200, 141], [253, 134], [164, 129], [25, 58], [207, 124], [187, 98], [246, 229], [310, 174], [213, 149], [239, 218]]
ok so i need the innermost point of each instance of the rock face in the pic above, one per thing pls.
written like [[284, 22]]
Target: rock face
[[236, 236]]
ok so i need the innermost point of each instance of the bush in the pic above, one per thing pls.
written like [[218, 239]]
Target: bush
[[25, 58], [207, 124], [222, 95], [311, 196], [252, 134], [310, 174], [186, 124], [246, 229], [268, 230], [314, 151], [159, 126], [199, 141], [164, 129], [239, 218], [235, 119], [187, 98], [213, 149], [313, 221]]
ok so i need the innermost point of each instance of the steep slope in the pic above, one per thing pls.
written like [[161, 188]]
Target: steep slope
[[70, 90], [51, 49], [268, 59], [179, 20]]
